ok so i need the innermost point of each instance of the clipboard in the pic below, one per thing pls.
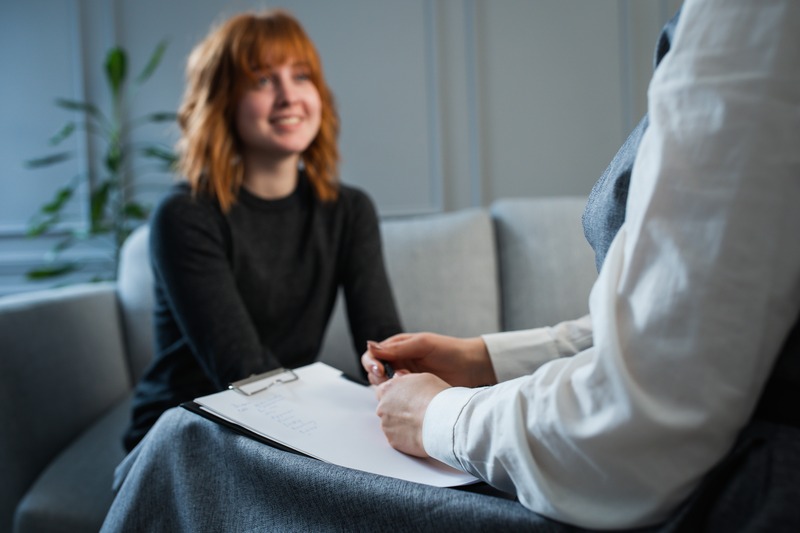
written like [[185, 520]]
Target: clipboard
[[317, 412], [233, 426]]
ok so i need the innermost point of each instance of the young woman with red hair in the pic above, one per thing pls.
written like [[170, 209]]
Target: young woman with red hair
[[249, 250]]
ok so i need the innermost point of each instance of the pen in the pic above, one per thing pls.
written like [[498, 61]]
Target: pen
[[387, 369]]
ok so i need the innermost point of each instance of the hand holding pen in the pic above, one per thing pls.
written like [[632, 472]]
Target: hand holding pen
[[459, 362]]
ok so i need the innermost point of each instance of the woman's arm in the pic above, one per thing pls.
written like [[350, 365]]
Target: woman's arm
[[371, 309], [695, 298]]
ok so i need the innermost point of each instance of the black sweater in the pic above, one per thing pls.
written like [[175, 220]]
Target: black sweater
[[253, 290]]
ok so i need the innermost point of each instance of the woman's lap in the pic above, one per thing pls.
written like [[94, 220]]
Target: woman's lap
[[190, 474]]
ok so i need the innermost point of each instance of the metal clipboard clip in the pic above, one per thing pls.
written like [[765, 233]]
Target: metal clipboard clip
[[261, 382]]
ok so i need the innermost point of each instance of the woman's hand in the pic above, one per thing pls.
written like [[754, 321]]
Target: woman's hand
[[459, 362], [402, 402]]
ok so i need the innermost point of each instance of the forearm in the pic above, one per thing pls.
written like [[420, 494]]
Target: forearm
[[371, 308]]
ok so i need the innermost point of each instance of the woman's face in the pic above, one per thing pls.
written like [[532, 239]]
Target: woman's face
[[280, 116]]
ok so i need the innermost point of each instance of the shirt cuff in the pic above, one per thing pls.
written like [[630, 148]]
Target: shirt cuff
[[438, 426]]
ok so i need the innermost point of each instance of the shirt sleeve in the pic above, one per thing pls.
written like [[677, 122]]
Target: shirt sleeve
[[518, 353], [698, 292]]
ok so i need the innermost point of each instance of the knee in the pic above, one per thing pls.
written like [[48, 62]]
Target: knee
[[177, 428]]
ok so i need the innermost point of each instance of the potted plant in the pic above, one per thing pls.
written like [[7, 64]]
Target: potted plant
[[113, 209]]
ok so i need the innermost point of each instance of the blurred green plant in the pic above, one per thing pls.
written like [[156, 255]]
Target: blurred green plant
[[113, 211]]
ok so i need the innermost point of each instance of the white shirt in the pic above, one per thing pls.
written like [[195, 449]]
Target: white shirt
[[698, 291]]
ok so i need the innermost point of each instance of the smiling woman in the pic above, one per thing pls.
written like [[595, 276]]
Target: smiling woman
[[276, 120], [250, 250]]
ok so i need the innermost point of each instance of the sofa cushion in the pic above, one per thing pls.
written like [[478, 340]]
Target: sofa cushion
[[74, 493], [443, 274], [546, 266]]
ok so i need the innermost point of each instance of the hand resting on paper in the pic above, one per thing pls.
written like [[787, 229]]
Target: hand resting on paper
[[425, 364], [402, 402]]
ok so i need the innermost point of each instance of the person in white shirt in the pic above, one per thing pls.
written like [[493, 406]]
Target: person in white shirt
[[694, 303], [671, 407]]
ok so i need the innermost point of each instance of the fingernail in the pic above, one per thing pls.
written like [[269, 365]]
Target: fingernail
[[374, 369], [372, 345]]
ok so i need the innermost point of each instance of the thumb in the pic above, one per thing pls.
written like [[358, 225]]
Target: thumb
[[406, 347], [379, 350]]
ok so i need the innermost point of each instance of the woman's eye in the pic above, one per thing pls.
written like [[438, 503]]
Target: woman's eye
[[302, 76], [263, 81]]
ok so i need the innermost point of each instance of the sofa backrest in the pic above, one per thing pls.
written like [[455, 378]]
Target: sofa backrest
[[523, 263], [546, 266], [444, 278]]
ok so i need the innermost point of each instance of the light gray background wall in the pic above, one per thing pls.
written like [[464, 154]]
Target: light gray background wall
[[445, 104]]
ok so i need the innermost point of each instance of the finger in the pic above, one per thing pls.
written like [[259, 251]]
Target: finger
[[372, 365], [374, 380], [380, 367], [397, 337], [380, 390]]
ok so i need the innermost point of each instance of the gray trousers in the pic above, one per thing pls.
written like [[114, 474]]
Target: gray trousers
[[191, 474]]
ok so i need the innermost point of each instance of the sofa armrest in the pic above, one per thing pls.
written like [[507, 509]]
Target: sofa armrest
[[62, 366]]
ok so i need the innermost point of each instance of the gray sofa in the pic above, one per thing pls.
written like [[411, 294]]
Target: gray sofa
[[70, 355]]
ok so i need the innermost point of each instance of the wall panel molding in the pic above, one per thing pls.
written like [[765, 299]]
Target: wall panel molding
[[432, 73]]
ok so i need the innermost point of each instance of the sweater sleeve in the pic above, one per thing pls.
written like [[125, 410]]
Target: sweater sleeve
[[371, 310], [189, 254]]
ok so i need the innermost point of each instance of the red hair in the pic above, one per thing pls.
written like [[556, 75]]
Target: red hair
[[220, 68]]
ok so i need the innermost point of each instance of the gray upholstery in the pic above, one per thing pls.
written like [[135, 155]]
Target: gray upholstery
[[444, 272], [546, 266], [73, 493], [68, 354], [443, 275], [134, 290], [62, 367]]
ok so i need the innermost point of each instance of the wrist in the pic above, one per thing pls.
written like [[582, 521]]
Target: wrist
[[480, 363]]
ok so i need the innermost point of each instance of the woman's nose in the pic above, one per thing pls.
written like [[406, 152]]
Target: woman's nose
[[287, 92]]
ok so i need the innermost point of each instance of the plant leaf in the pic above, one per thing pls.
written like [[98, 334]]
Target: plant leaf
[[162, 117], [47, 272], [152, 64], [62, 196], [75, 105], [116, 67], [98, 206], [162, 154], [39, 226], [64, 133], [63, 244], [114, 157], [135, 211], [48, 160]]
